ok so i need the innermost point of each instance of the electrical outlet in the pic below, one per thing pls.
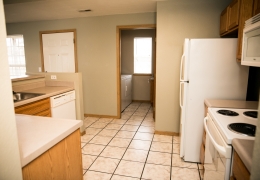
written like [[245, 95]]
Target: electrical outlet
[[53, 77]]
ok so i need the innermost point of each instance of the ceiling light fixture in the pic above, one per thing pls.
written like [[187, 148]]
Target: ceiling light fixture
[[85, 10]]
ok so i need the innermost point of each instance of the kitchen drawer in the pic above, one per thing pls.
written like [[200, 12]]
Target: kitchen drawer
[[34, 108], [45, 113]]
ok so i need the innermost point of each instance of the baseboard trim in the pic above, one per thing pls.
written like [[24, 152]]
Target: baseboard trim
[[145, 101], [101, 116], [83, 133], [167, 133]]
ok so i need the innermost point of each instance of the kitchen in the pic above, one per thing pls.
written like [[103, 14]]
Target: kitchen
[[175, 21]]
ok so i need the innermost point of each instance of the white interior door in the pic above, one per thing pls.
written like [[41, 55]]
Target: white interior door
[[58, 52]]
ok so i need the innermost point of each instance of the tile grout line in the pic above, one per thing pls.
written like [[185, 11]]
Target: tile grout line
[[171, 159], [104, 147], [114, 137], [147, 153], [99, 144], [131, 142], [127, 146]]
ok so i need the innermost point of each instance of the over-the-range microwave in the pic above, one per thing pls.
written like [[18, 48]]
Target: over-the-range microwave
[[251, 45]]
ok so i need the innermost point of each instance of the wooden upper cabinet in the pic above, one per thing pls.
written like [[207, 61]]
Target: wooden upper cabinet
[[224, 21], [233, 15], [256, 7], [229, 18], [237, 13]]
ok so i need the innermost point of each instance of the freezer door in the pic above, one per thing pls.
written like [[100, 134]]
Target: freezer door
[[183, 95], [184, 61]]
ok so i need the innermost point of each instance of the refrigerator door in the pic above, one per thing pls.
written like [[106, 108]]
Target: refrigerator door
[[184, 61], [213, 74], [183, 92]]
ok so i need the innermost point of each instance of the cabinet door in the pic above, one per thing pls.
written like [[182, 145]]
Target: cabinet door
[[256, 7], [224, 21], [37, 108], [233, 16]]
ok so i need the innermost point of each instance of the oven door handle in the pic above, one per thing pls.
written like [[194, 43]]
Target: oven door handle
[[219, 148]]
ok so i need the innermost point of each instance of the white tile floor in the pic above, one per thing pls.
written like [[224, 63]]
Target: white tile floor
[[128, 149]]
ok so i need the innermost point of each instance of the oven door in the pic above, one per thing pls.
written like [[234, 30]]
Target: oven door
[[220, 153]]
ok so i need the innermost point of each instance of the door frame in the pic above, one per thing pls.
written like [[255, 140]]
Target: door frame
[[60, 31], [118, 58]]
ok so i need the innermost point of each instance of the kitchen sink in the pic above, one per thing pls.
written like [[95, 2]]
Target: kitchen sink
[[20, 96]]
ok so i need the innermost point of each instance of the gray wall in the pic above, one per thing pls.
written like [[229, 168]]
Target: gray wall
[[10, 164], [140, 84], [177, 20], [96, 43]]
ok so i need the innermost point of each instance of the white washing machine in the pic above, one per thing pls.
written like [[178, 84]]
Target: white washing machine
[[126, 91]]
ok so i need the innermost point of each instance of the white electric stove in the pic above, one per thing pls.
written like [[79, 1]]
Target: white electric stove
[[236, 116], [222, 125]]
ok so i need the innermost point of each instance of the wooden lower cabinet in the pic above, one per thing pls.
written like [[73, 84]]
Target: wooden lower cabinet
[[61, 162], [37, 108], [239, 170]]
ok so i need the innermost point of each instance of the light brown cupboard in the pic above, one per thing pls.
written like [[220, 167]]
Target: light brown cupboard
[[37, 108], [256, 7], [62, 161], [224, 21], [233, 16], [237, 13], [239, 170], [229, 18]]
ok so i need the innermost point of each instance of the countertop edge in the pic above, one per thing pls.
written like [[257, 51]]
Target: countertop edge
[[20, 103], [26, 77], [238, 104], [27, 157]]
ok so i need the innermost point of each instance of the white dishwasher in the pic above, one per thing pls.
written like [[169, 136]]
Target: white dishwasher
[[63, 105]]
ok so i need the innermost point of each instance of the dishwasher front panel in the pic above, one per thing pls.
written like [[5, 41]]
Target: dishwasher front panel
[[65, 111], [63, 105]]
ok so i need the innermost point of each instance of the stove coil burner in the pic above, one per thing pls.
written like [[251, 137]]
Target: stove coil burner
[[227, 112], [252, 114], [243, 128]]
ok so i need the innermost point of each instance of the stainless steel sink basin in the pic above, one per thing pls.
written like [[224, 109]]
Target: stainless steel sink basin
[[20, 96]]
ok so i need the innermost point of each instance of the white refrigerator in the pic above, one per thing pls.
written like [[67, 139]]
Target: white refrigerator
[[209, 70]]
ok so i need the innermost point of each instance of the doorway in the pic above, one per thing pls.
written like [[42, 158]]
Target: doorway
[[126, 38]]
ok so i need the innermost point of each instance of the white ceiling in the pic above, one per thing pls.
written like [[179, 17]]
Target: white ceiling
[[38, 10]]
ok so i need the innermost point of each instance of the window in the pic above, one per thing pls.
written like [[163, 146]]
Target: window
[[16, 57], [143, 55]]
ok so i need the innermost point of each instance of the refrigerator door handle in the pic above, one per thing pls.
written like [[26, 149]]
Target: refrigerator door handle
[[181, 68], [181, 94]]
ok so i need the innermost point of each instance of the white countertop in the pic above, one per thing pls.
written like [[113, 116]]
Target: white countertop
[[38, 134], [237, 104], [25, 77], [48, 91]]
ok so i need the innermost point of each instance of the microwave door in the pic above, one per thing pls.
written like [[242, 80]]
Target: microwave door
[[251, 45]]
